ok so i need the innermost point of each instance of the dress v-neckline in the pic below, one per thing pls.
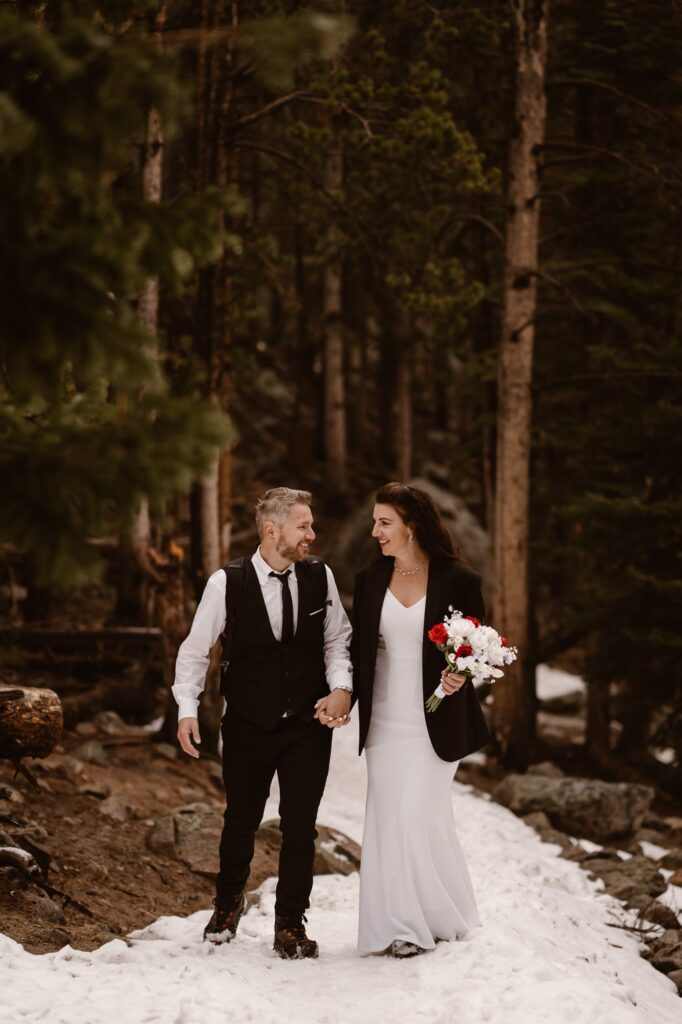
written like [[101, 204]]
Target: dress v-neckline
[[407, 607]]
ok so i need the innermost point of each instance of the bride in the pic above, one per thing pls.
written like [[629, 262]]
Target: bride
[[414, 883]]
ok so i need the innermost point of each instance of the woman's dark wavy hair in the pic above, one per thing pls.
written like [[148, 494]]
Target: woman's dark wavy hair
[[417, 509]]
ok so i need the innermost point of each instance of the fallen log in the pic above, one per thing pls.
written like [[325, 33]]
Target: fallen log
[[30, 725], [21, 860], [120, 639]]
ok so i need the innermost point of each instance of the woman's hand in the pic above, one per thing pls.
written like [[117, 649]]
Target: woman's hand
[[452, 681]]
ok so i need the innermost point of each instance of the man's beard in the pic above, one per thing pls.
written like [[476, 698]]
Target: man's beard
[[291, 554]]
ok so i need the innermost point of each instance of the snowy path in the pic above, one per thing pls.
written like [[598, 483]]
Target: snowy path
[[545, 953]]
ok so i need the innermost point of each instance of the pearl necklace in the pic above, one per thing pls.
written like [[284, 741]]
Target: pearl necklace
[[409, 572]]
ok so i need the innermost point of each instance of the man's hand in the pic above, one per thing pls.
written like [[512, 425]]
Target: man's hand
[[334, 709], [188, 731]]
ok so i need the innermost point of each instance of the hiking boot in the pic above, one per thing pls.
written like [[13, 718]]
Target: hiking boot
[[402, 949], [291, 941], [223, 924]]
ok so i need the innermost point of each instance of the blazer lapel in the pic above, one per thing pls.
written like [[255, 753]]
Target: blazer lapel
[[432, 609], [376, 591]]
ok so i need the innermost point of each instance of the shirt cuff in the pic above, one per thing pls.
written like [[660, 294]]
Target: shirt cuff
[[341, 683], [188, 708]]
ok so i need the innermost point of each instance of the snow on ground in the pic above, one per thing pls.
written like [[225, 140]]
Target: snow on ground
[[549, 952], [553, 682]]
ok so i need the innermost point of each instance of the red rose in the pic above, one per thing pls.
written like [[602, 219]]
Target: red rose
[[476, 622], [504, 641], [438, 634], [463, 651]]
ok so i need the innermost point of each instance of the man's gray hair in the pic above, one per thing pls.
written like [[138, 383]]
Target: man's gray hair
[[276, 504]]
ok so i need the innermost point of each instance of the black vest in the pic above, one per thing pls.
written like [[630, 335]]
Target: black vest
[[261, 676]]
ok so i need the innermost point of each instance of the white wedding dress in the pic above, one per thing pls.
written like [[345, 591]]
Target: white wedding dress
[[414, 881]]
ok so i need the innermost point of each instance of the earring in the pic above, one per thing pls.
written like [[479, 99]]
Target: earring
[[411, 537]]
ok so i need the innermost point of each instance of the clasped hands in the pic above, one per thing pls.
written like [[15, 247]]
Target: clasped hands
[[333, 709]]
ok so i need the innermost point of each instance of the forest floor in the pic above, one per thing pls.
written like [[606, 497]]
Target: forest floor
[[93, 820]]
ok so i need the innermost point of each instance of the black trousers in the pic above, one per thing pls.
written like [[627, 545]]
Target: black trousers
[[298, 751]]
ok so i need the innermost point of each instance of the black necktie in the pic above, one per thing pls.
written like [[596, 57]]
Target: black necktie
[[287, 606]]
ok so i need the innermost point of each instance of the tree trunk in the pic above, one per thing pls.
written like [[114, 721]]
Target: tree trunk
[[513, 706], [135, 598], [216, 166], [403, 406], [334, 368]]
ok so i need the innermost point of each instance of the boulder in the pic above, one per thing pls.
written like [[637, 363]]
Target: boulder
[[115, 807], [655, 912], [91, 751], [676, 976], [672, 860], [355, 547], [190, 834], [335, 853], [547, 768], [627, 879], [588, 808], [665, 953]]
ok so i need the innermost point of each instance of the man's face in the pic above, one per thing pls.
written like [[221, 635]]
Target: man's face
[[293, 540]]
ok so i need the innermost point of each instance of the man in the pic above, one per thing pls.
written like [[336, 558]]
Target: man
[[287, 683]]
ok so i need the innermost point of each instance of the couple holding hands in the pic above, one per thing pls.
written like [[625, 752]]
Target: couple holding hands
[[291, 670]]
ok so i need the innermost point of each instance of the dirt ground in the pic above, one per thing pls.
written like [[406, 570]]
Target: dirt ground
[[101, 862]]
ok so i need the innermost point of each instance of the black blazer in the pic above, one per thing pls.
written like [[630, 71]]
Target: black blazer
[[458, 727]]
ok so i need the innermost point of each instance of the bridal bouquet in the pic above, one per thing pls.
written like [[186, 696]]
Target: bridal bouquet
[[476, 651]]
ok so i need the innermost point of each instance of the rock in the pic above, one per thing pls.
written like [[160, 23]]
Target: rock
[[161, 838], [86, 729], [190, 834], [676, 976], [91, 751], [97, 789], [165, 750], [115, 807], [657, 824], [71, 768], [676, 878], [659, 914], [665, 953], [537, 820], [355, 547], [548, 769], [11, 794], [109, 722], [588, 808], [57, 937], [672, 860], [45, 908], [644, 835], [335, 853], [628, 879]]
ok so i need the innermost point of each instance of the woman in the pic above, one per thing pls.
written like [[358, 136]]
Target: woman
[[414, 883]]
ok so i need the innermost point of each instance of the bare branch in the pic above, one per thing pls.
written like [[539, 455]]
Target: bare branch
[[633, 100], [256, 115], [366, 235]]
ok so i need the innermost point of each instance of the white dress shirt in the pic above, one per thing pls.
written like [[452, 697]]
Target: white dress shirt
[[209, 622]]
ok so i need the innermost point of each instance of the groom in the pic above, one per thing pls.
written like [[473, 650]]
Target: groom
[[286, 677]]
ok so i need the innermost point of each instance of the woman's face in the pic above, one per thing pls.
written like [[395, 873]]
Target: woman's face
[[390, 531]]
